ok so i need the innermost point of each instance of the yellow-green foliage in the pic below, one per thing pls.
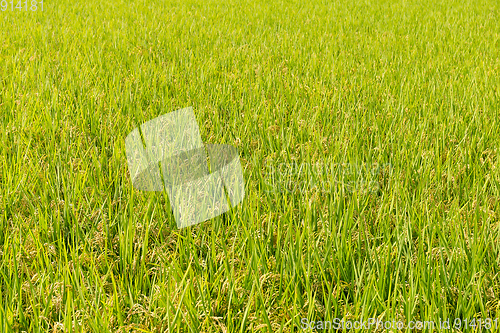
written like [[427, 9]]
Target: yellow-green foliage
[[410, 84]]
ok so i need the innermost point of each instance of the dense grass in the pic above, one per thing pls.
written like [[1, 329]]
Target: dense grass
[[413, 84]]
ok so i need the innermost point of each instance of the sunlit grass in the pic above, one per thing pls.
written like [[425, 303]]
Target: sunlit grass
[[414, 85]]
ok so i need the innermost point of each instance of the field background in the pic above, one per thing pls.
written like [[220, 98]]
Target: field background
[[413, 84]]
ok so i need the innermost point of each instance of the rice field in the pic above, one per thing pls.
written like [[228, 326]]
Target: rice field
[[368, 133]]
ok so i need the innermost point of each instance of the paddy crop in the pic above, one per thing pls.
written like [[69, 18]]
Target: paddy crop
[[410, 85]]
